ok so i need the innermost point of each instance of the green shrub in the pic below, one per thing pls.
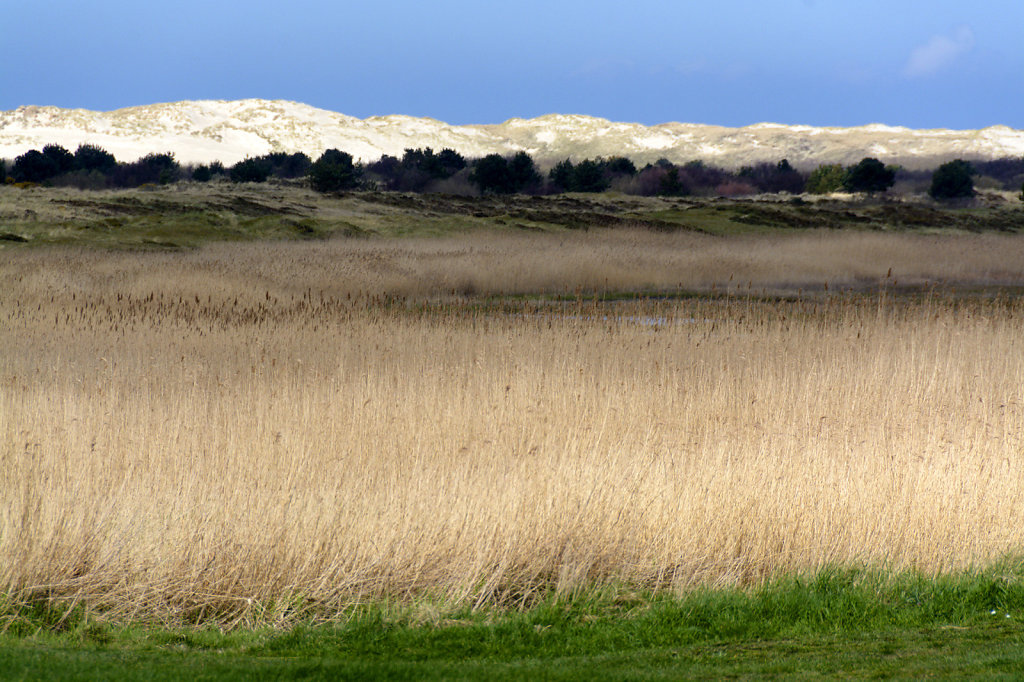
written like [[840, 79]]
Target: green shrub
[[620, 165], [250, 170], [62, 158], [202, 173], [563, 176], [669, 185], [523, 173], [150, 169], [952, 180], [589, 177], [494, 174], [826, 178], [490, 175], [34, 166], [334, 171], [284, 165], [89, 157], [870, 175]]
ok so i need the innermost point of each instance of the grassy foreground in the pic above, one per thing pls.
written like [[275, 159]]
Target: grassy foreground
[[837, 623]]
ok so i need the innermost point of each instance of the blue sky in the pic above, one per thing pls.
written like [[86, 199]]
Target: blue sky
[[936, 63]]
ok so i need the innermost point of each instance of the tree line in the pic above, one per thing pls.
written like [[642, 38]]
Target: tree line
[[447, 171]]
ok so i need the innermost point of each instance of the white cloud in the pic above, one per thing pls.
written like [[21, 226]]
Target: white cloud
[[939, 52]]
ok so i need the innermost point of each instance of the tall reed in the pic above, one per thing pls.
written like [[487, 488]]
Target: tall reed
[[165, 453]]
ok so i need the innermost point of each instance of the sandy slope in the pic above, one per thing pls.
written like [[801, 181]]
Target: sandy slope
[[203, 131]]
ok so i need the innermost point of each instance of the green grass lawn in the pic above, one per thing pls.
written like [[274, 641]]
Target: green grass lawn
[[836, 624]]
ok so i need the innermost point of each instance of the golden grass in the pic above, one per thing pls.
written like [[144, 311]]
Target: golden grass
[[205, 434], [517, 263]]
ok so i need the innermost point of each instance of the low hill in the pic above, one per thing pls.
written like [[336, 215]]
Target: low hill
[[228, 131]]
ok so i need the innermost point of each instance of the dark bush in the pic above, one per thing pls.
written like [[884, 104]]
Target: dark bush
[[202, 173], [334, 171], [589, 177], [425, 163], [523, 173], [256, 169], [34, 166], [788, 179], [1008, 171], [418, 170], [451, 161], [619, 166], [699, 178], [423, 160], [150, 169], [952, 180], [89, 157], [870, 175], [164, 166], [670, 185], [57, 166], [774, 177], [384, 172], [660, 179], [494, 174], [61, 157], [563, 176], [288, 166], [491, 175]]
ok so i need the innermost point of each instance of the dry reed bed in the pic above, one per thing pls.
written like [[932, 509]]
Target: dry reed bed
[[513, 263], [167, 456]]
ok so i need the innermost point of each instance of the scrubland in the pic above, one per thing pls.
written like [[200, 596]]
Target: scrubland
[[261, 432]]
